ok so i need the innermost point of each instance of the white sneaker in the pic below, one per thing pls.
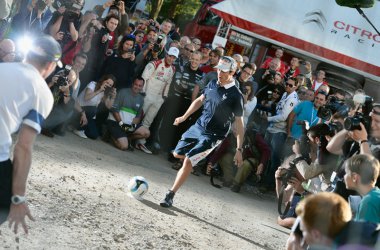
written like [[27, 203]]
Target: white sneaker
[[143, 148], [80, 133]]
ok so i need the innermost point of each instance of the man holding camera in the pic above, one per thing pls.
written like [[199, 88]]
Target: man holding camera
[[99, 45], [64, 24], [24, 107], [124, 120], [61, 87]]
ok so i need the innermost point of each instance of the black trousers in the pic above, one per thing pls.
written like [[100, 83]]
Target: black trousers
[[6, 169]]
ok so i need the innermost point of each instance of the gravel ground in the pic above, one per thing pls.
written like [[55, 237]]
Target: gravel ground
[[77, 194]]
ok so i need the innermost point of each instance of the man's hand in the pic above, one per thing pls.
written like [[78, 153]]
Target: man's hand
[[17, 215], [238, 158], [107, 4], [59, 36], [359, 135], [260, 169], [83, 119], [178, 120], [122, 7]]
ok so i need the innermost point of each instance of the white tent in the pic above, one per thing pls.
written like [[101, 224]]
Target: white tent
[[318, 28]]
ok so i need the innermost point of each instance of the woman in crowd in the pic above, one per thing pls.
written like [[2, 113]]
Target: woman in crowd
[[87, 106], [250, 101]]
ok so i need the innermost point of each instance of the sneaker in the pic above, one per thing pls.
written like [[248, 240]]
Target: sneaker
[[235, 188], [80, 133], [143, 148], [168, 201]]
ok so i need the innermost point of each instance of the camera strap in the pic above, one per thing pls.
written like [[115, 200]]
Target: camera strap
[[279, 204]]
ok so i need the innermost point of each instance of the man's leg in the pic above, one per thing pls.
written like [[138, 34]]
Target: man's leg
[[6, 171], [182, 175]]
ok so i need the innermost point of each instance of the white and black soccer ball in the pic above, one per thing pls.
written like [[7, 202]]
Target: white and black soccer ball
[[138, 187]]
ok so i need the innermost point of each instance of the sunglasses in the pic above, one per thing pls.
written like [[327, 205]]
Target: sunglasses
[[289, 85], [191, 51], [276, 91], [248, 73]]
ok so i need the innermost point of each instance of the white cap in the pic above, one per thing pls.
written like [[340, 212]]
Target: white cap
[[173, 51], [226, 64]]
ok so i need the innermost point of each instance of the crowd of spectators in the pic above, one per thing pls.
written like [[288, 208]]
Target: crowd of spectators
[[127, 82]]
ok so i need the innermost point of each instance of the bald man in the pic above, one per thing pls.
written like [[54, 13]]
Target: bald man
[[7, 51]]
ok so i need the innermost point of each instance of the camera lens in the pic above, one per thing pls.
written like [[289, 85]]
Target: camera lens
[[352, 123]]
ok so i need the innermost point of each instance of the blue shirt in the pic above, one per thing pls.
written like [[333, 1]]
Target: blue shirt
[[220, 107], [305, 111], [369, 208]]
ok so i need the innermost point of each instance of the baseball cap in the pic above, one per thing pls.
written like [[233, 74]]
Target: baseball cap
[[48, 48], [207, 46], [226, 64], [173, 51]]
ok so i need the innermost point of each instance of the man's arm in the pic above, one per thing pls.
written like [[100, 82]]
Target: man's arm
[[336, 143], [290, 123], [21, 165], [239, 125], [73, 32], [288, 107], [195, 105]]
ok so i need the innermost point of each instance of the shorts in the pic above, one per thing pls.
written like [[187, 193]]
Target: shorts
[[6, 170], [196, 145], [116, 131]]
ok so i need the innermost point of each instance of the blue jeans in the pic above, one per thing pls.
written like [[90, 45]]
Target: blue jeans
[[277, 143]]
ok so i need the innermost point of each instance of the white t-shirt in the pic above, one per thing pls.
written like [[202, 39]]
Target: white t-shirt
[[25, 98], [93, 101], [248, 108]]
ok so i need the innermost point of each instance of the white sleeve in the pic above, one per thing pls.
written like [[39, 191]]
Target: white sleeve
[[286, 109], [250, 106], [42, 106], [147, 74]]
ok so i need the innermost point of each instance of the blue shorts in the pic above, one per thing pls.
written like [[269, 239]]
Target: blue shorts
[[196, 145]]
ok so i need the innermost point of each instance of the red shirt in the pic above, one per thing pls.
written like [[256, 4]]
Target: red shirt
[[282, 68]]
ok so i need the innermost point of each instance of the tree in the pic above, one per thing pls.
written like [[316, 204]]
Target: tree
[[156, 8]]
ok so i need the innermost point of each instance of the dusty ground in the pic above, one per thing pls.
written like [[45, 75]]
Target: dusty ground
[[76, 191]]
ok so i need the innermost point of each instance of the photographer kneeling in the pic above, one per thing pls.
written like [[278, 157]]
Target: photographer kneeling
[[324, 165], [61, 88]]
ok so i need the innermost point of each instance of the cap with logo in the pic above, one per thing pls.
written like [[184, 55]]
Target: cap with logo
[[226, 64], [46, 47], [173, 51]]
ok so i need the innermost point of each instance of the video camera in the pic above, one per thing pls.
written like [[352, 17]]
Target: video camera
[[41, 4], [157, 44], [73, 8], [270, 76], [366, 104], [63, 76]]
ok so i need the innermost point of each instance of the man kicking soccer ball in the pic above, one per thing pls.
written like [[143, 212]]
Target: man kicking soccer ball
[[222, 105]]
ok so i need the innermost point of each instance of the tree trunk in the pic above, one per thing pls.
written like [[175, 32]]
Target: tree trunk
[[156, 7], [173, 7]]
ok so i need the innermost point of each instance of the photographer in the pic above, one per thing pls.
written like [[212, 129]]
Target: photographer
[[116, 7], [34, 17], [152, 51], [65, 22], [289, 190], [325, 164], [88, 103], [122, 63], [97, 46], [61, 87]]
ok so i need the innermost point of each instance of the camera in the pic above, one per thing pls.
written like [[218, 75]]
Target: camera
[[69, 4], [157, 44], [353, 123], [334, 105], [116, 2], [152, 23], [131, 50], [63, 76]]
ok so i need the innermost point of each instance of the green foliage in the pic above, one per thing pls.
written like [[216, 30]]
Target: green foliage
[[180, 10]]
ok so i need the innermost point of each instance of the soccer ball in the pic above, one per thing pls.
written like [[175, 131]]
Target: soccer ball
[[137, 187]]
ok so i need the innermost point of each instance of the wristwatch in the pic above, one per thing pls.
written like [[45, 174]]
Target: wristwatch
[[18, 199], [239, 149]]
